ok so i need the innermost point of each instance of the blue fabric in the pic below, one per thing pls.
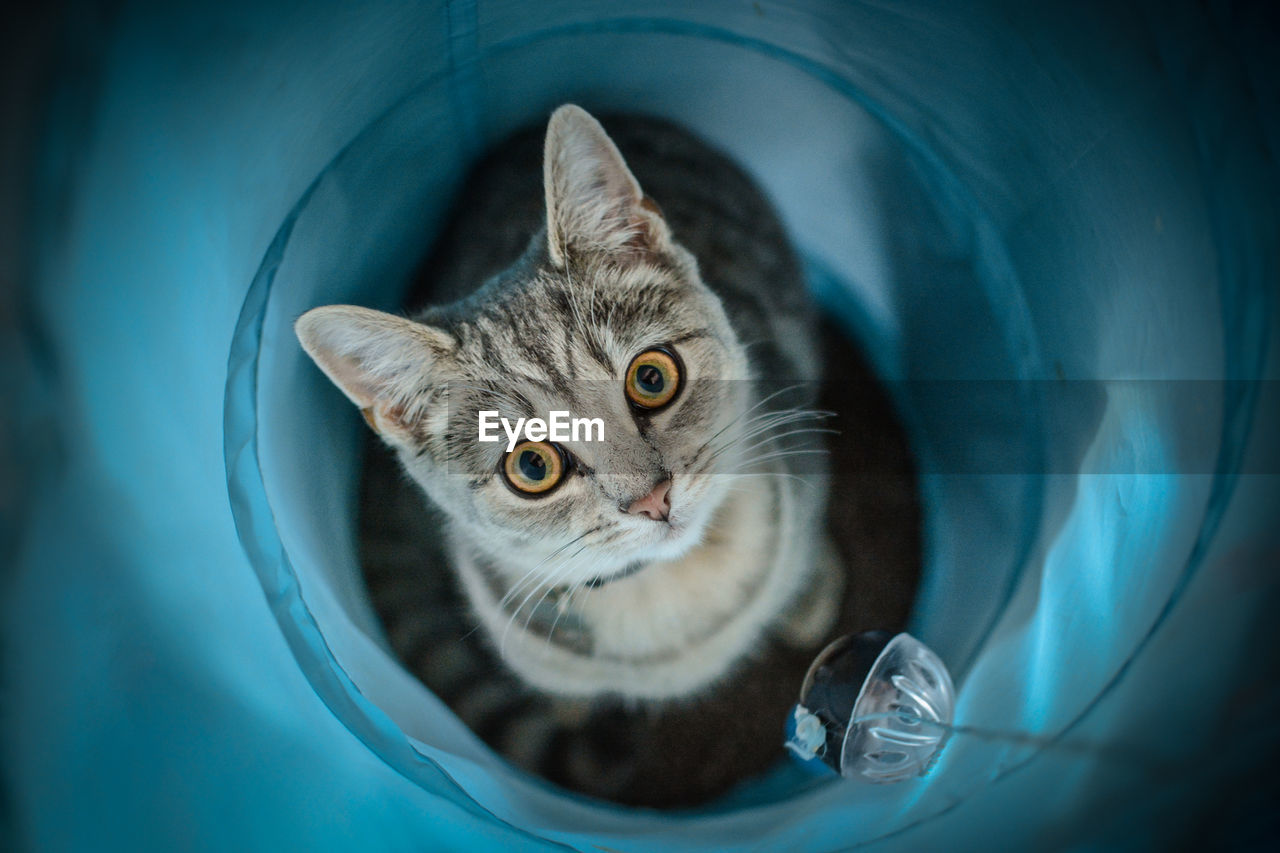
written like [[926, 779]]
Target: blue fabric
[[999, 201]]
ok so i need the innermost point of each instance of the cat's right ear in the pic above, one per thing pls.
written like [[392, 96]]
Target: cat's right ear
[[383, 363]]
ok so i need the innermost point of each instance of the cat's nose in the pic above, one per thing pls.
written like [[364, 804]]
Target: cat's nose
[[656, 504]]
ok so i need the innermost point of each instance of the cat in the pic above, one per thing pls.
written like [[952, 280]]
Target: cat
[[670, 548], [556, 264]]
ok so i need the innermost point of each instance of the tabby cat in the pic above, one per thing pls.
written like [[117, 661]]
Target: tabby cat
[[617, 579]]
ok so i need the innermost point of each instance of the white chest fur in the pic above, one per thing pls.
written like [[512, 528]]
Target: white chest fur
[[676, 627]]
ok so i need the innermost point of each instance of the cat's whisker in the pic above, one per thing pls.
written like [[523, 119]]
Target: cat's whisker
[[552, 577], [790, 412], [552, 585], [783, 454], [530, 578], [474, 628], [786, 475], [775, 414], [562, 607], [586, 591], [767, 440], [515, 614], [532, 585], [773, 439], [748, 411], [531, 575], [741, 415], [745, 488], [758, 441], [511, 593], [773, 420]]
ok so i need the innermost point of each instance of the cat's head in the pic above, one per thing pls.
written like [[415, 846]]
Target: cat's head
[[605, 317]]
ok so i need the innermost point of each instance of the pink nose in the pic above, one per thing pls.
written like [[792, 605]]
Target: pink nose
[[656, 504]]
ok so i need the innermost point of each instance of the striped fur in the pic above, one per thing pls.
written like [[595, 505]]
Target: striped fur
[[540, 307]]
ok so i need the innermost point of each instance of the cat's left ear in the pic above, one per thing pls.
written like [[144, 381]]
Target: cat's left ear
[[594, 203]]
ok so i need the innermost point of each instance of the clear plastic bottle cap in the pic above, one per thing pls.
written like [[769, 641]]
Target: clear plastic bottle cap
[[867, 705]]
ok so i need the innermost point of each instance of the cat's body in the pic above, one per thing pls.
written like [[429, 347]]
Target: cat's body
[[655, 612]]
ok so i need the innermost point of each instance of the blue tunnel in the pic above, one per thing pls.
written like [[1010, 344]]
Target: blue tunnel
[[1053, 229]]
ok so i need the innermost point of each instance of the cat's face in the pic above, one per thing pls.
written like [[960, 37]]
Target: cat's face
[[609, 321]]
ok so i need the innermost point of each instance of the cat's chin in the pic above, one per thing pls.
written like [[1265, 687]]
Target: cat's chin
[[675, 540]]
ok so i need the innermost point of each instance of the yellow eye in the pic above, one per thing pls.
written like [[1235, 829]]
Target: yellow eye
[[533, 467], [653, 378]]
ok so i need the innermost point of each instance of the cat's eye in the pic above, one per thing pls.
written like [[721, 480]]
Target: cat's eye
[[534, 467], [653, 379]]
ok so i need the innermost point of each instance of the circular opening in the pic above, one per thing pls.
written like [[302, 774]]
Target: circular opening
[[895, 248], [361, 229]]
